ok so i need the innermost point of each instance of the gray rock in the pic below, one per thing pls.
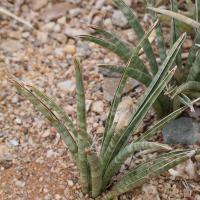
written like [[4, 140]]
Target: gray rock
[[6, 165], [182, 130], [119, 19]]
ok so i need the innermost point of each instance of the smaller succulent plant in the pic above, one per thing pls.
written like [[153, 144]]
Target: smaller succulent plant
[[96, 172], [186, 83]]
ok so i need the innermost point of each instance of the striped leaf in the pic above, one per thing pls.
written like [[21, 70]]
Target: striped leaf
[[80, 96], [175, 25], [96, 171], [186, 101], [123, 155], [133, 73], [104, 44], [136, 120], [191, 85], [191, 57], [139, 32], [108, 155], [147, 170], [151, 93], [108, 138], [195, 69], [62, 130], [159, 33], [82, 159], [63, 116], [122, 47]]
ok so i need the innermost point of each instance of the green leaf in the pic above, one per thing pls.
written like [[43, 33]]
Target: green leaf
[[191, 57], [62, 130], [195, 69], [106, 158], [136, 120], [151, 93], [96, 172], [122, 82], [104, 44], [139, 32], [197, 6], [123, 155], [171, 90], [191, 85], [108, 138], [63, 116], [80, 96], [176, 32], [133, 73], [190, 6], [161, 124], [159, 33], [186, 101], [122, 47], [148, 170], [82, 159]]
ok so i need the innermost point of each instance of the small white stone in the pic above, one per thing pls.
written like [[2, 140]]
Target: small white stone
[[46, 133], [69, 110], [70, 183], [57, 197], [97, 107], [14, 143], [15, 99], [50, 153], [18, 121]]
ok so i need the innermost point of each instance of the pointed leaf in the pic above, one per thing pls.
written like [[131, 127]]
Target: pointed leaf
[[123, 155], [96, 172], [139, 32], [159, 33], [63, 116], [80, 96], [104, 44], [50, 116]]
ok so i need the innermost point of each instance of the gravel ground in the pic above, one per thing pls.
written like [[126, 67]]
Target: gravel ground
[[34, 161]]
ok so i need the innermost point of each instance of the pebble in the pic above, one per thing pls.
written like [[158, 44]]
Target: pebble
[[50, 153], [38, 4], [58, 197], [69, 110], [15, 99], [14, 143], [18, 120], [119, 19], [70, 183], [48, 27], [66, 84], [100, 130], [46, 133], [6, 165], [88, 104], [97, 107], [70, 49]]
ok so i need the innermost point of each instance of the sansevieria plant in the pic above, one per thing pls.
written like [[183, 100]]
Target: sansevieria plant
[[96, 172], [186, 83]]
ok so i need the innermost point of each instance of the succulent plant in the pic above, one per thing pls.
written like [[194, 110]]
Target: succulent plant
[[96, 172], [186, 79]]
